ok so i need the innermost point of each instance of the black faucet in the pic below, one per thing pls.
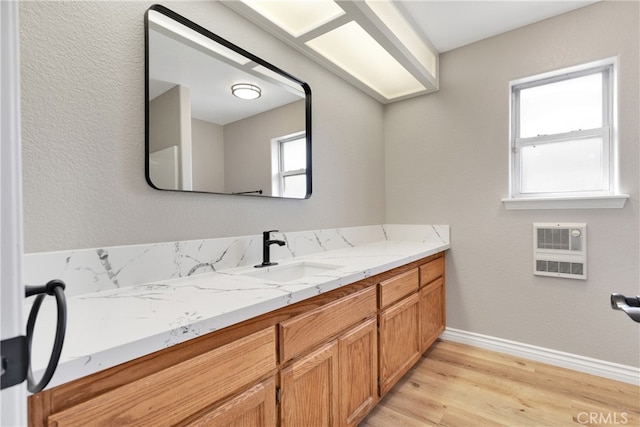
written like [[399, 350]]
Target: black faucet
[[266, 244]]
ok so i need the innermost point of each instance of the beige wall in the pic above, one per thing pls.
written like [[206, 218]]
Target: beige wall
[[170, 116], [166, 117], [207, 144], [82, 70], [447, 163]]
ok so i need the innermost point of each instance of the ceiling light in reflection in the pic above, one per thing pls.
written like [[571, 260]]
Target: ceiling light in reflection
[[246, 91]]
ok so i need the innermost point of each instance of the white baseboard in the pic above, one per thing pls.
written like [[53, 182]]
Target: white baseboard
[[602, 368]]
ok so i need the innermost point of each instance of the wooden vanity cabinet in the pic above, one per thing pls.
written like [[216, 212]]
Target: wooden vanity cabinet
[[358, 367], [399, 327], [324, 361], [309, 389], [181, 392], [411, 318], [432, 313], [334, 384], [432, 302], [432, 269], [254, 407]]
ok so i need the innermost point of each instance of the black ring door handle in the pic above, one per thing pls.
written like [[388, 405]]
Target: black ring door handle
[[54, 288]]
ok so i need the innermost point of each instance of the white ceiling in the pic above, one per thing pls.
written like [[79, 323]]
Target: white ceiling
[[451, 24], [175, 59]]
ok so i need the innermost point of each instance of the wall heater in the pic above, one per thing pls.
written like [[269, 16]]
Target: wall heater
[[560, 250]]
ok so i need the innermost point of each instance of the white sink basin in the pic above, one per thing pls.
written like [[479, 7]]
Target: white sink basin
[[289, 272]]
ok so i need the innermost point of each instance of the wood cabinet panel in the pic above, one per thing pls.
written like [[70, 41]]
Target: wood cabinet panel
[[398, 287], [309, 395], [358, 358], [255, 407], [399, 341], [304, 332], [432, 313], [176, 393], [431, 271]]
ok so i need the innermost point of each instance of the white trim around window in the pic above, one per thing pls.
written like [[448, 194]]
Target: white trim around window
[[279, 174], [602, 194], [595, 202]]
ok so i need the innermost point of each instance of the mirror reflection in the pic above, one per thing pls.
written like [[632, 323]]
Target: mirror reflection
[[219, 119]]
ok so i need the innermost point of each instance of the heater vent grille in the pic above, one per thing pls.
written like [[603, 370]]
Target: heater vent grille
[[560, 250], [564, 267]]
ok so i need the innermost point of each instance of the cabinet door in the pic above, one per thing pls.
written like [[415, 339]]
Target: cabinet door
[[399, 341], [256, 407], [432, 313], [309, 389], [358, 350]]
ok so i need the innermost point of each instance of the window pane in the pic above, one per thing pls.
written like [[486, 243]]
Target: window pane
[[295, 186], [294, 154], [563, 166], [562, 106]]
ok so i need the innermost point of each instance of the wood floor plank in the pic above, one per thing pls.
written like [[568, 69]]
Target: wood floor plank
[[458, 385]]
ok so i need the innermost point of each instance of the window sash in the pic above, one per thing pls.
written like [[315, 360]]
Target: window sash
[[282, 143], [604, 68], [604, 176], [604, 132], [566, 136], [293, 172], [282, 174]]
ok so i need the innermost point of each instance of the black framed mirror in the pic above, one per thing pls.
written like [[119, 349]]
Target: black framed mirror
[[220, 119]]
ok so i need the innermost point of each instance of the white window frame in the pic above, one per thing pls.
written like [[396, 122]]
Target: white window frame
[[278, 163], [608, 196]]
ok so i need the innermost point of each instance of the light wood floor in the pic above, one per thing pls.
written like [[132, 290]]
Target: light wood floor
[[458, 385]]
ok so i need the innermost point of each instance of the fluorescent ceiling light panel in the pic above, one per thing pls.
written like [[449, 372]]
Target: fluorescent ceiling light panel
[[351, 48], [297, 17], [392, 18], [184, 34]]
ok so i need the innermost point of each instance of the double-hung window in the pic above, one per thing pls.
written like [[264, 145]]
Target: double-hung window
[[562, 142], [292, 165]]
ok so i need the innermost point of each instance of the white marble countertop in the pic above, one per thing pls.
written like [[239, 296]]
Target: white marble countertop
[[111, 327]]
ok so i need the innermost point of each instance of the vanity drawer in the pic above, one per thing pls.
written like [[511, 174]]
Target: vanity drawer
[[431, 271], [398, 287], [304, 332], [171, 395]]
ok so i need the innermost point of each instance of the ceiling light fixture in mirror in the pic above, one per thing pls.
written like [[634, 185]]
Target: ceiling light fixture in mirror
[[220, 119]]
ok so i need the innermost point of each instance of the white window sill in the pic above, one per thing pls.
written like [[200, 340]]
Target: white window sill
[[594, 202]]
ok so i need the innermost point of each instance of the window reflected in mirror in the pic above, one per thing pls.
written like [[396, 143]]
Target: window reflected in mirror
[[292, 166]]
